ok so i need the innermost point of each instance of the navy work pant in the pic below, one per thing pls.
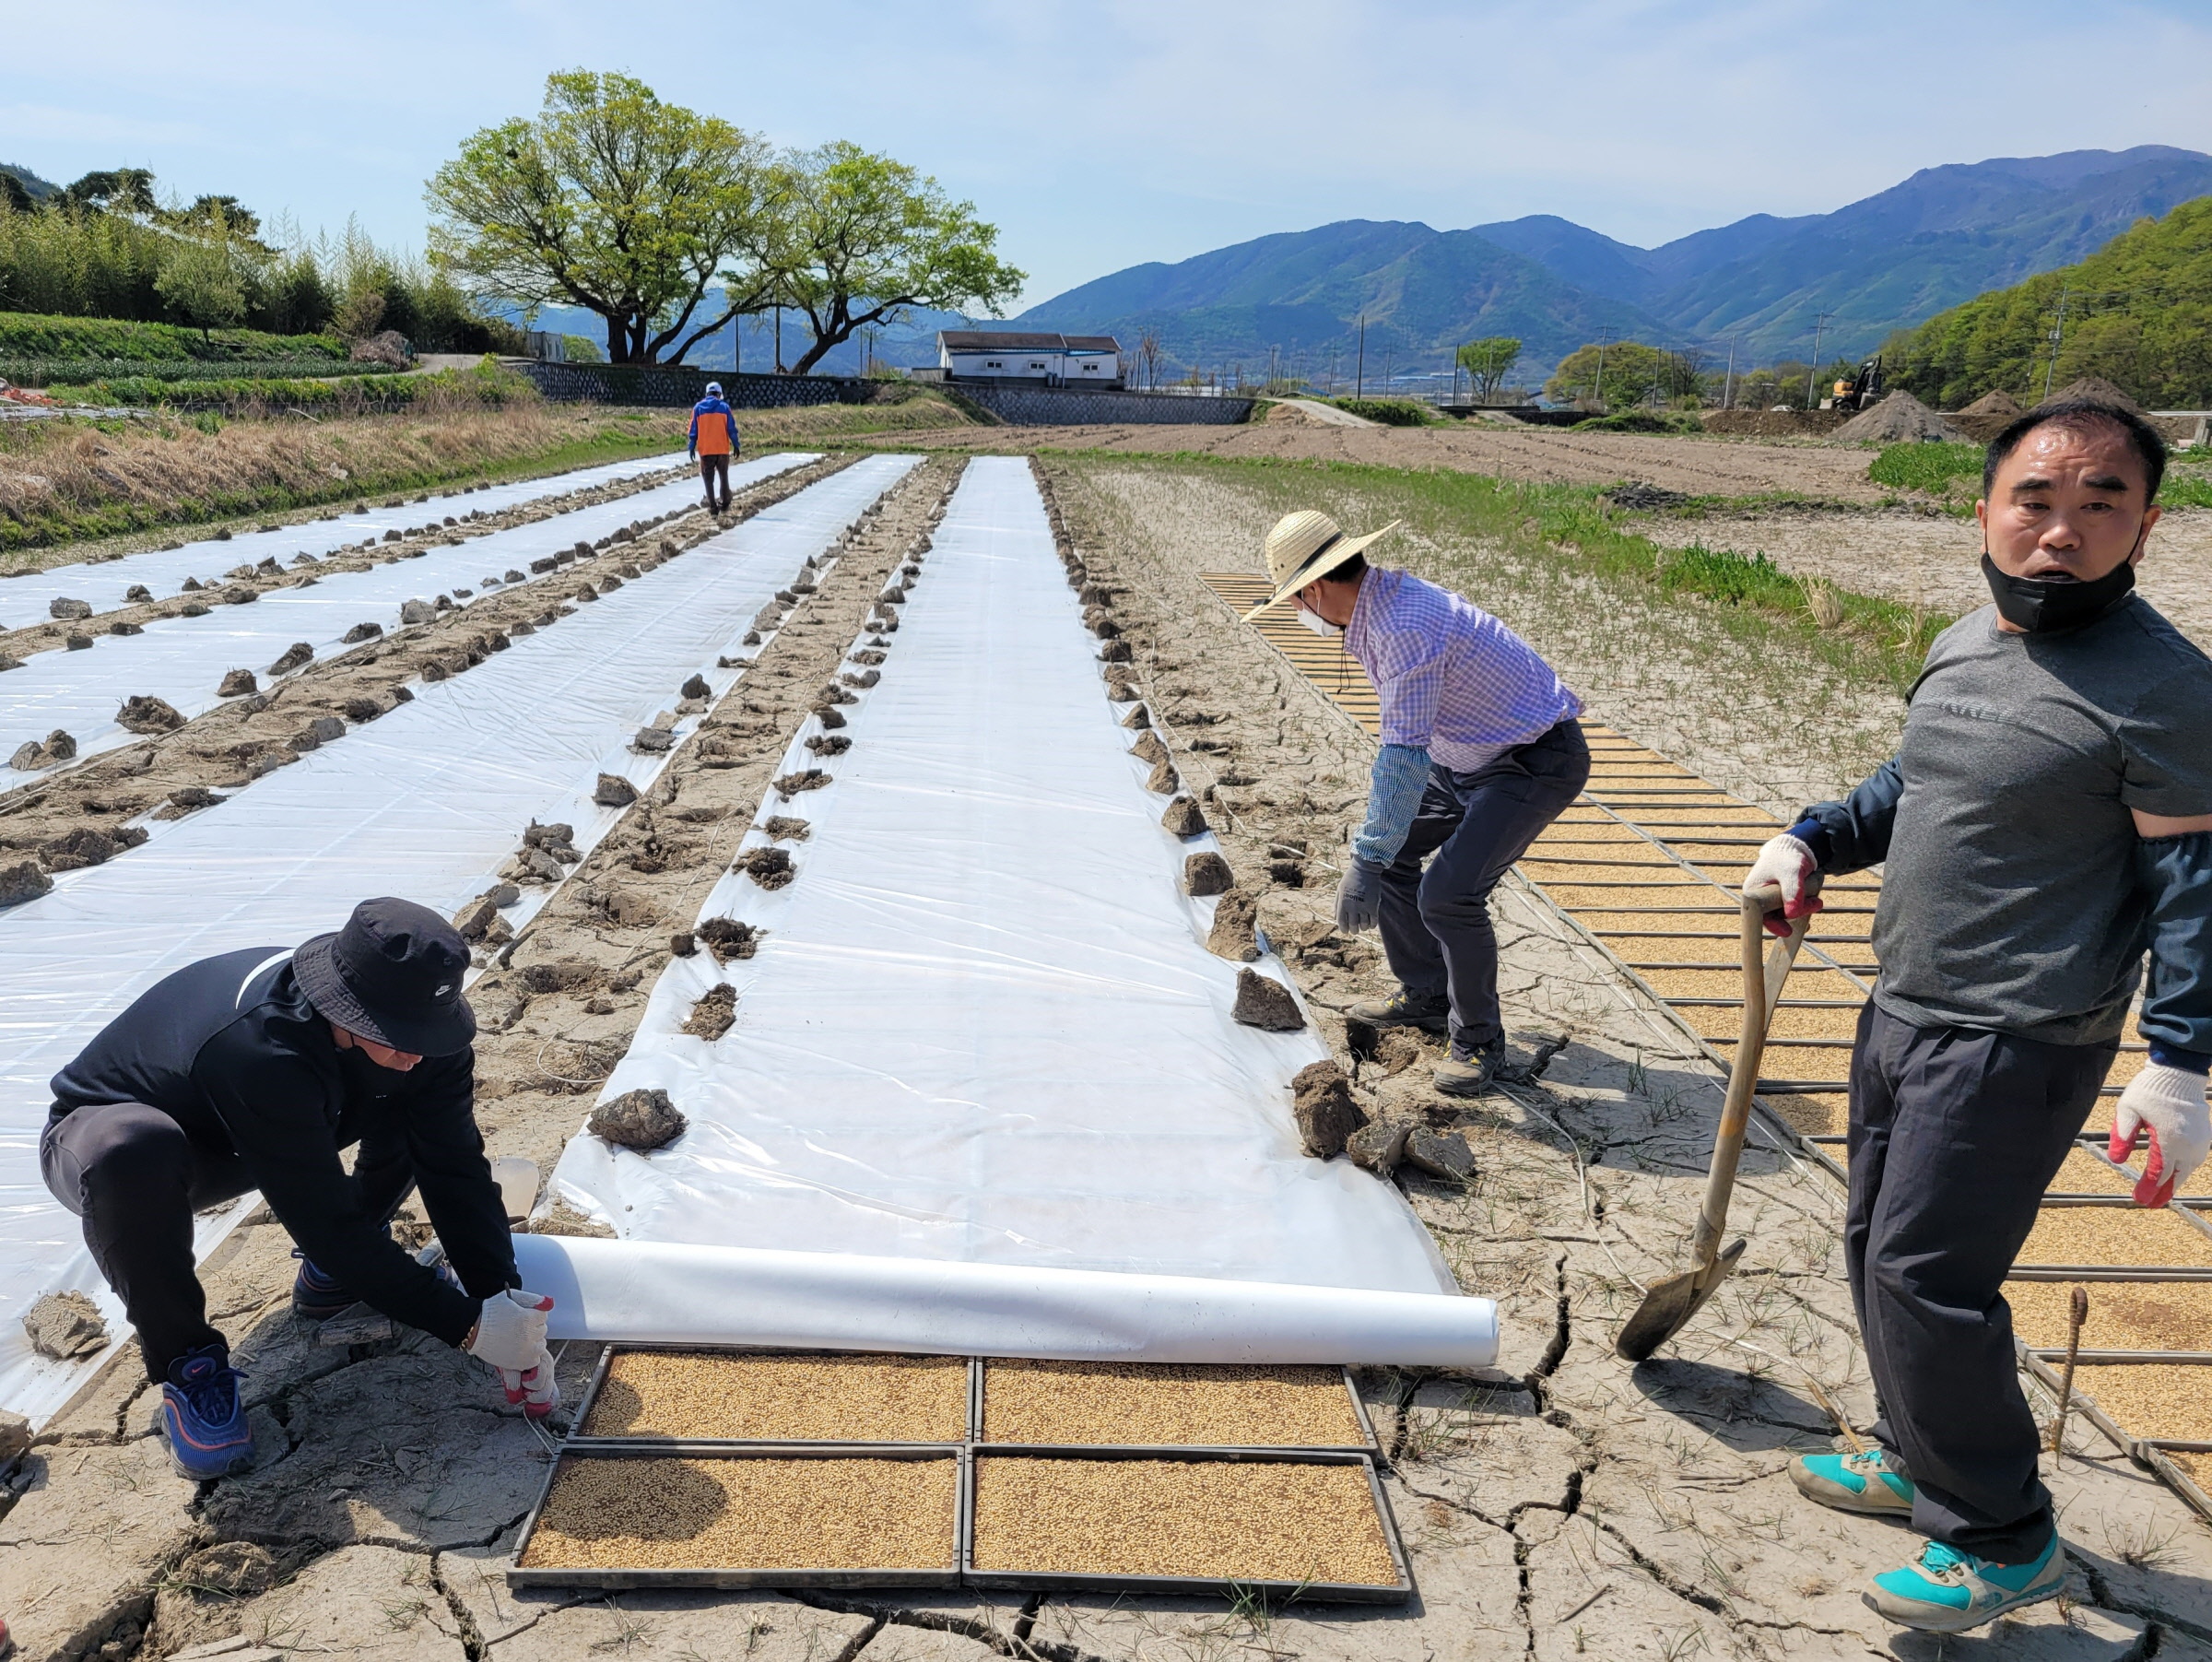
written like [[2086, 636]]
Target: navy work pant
[[136, 1178], [1436, 923], [1954, 1135]]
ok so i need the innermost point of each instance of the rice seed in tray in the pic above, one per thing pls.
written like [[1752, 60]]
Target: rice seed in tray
[[1292, 1524], [2117, 1235], [1153, 1404], [737, 1519], [2123, 1315], [2151, 1399], [781, 1396]]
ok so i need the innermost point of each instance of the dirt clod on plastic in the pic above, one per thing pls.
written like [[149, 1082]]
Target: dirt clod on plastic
[[1234, 935], [237, 683], [1138, 715], [1264, 1002], [614, 791], [643, 1120], [1321, 1100], [1206, 874], [142, 713], [296, 653], [829, 744], [806, 779], [1149, 749], [728, 939], [783, 827], [1378, 1145], [1163, 780], [697, 687], [66, 1325], [714, 1014], [1183, 818], [770, 867]]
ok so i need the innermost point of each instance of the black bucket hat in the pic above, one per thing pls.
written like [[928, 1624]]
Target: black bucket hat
[[393, 976]]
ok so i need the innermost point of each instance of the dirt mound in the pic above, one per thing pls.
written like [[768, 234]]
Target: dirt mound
[[66, 1325], [714, 1014], [643, 1120], [2095, 389], [1899, 418], [1996, 402], [1265, 1003], [1321, 1099], [1987, 416]]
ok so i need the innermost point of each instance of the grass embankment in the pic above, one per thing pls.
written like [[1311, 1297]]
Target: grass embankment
[[76, 353], [62, 482], [829, 422], [1390, 412], [1863, 636]]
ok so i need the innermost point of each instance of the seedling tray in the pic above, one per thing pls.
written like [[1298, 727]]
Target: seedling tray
[[581, 1437], [1395, 1591], [615, 1578], [1357, 1432]]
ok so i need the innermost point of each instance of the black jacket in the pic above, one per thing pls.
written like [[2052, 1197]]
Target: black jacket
[[233, 1051]]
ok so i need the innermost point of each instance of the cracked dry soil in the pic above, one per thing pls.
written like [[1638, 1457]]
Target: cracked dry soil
[[1559, 1505]]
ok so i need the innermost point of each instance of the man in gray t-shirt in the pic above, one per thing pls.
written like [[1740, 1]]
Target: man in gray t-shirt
[[2046, 824]]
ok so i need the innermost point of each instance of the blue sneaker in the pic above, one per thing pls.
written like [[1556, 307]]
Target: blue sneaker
[[316, 1297], [1859, 1483], [202, 1418], [1948, 1591]]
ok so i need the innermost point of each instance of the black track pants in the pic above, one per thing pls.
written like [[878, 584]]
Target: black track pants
[[135, 1179], [1436, 924], [1955, 1134], [714, 470]]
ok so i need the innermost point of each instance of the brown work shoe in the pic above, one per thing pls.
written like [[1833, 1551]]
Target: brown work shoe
[[1432, 1013]]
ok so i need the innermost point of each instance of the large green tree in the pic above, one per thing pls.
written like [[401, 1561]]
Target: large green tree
[[613, 201], [855, 239], [1487, 362]]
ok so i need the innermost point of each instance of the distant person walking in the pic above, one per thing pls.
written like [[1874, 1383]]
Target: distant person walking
[[714, 441], [1481, 748]]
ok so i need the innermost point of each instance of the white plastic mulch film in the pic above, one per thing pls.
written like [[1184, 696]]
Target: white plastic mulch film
[[182, 660], [25, 600], [982, 1029], [427, 802]]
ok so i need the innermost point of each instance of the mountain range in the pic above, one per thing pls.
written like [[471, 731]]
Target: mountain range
[[1885, 263]]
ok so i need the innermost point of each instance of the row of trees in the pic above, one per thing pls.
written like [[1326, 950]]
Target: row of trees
[[108, 246], [668, 224], [1622, 374]]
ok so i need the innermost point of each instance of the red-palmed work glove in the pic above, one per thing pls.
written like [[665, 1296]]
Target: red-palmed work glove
[[2168, 1104], [534, 1390], [1786, 864]]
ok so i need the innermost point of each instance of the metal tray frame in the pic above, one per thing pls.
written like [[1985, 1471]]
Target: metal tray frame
[[612, 1580], [1330, 1592]]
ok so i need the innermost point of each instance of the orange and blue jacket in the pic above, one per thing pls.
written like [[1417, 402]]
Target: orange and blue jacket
[[713, 429]]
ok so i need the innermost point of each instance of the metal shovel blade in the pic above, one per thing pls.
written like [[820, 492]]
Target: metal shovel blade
[[1667, 1307]]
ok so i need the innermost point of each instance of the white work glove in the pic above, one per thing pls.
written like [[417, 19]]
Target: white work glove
[[533, 1389], [509, 1333], [1786, 864], [2168, 1102]]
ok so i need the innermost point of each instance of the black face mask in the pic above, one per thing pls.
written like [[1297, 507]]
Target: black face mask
[[2043, 607]]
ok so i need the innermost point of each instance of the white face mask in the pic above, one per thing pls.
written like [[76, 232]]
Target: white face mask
[[1319, 625]]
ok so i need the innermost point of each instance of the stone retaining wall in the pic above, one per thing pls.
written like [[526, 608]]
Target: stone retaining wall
[[666, 386], [1070, 406]]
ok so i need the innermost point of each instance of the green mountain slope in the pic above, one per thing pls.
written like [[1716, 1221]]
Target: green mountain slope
[[2138, 313]]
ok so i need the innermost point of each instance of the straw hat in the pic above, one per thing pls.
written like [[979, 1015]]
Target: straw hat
[[1307, 545]]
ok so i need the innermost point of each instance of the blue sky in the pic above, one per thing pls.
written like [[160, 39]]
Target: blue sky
[[1100, 135]]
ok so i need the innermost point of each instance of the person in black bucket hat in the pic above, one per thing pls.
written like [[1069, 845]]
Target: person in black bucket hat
[[252, 1070]]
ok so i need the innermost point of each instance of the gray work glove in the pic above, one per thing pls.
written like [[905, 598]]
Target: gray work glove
[[1360, 898]]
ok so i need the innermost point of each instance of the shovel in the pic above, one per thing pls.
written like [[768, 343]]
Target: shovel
[[1670, 1304]]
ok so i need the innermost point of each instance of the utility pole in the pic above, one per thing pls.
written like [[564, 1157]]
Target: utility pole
[[1819, 323], [1728, 386], [2057, 330], [1360, 379], [1597, 390]]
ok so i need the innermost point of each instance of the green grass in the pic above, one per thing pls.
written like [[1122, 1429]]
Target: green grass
[[1644, 421], [2190, 489], [347, 394], [1929, 467], [1391, 412], [25, 334], [82, 371], [1754, 599]]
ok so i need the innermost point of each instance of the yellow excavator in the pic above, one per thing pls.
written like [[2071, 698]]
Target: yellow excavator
[[1861, 392]]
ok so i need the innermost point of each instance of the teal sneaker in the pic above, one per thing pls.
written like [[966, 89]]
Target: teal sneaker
[[1859, 1483], [1948, 1591]]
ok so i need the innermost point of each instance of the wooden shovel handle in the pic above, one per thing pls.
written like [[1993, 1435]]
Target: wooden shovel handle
[[1765, 972]]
